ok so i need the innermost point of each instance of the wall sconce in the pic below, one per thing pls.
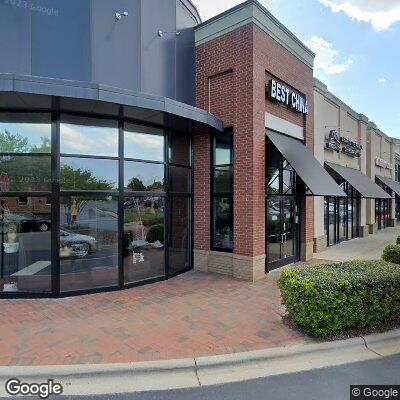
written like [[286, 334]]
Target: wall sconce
[[161, 33], [118, 16]]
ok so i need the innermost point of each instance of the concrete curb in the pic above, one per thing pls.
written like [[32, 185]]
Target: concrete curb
[[203, 371]]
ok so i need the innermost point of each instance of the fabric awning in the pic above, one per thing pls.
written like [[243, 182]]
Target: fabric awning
[[361, 182], [393, 185], [306, 166]]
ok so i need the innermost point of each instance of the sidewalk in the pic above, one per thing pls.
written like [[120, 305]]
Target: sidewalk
[[192, 315], [368, 248]]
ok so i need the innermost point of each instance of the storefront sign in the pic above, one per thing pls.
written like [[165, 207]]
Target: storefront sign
[[379, 162], [342, 144], [278, 92]]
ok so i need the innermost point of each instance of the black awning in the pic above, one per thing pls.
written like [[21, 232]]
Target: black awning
[[390, 183], [361, 182], [306, 166]]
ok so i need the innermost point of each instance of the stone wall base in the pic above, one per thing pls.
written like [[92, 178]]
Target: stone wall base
[[363, 231], [373, 228], [307, 251], [320, 244], [251, 269]]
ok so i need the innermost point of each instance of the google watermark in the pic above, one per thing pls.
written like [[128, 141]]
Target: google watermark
[[34, 7], [361, 392], [14, 387]]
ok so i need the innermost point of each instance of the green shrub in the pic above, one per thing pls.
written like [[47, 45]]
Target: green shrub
[[156, 232], [391, 253], [398, 240], [324, 299]]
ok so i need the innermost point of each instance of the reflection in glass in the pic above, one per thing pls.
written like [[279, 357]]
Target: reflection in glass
[[288, 227], [179, 235], [179, 148], [332, 221], [224, 149], [88, 242], [144, 177], [144, 238], [88, 136], [25, 262], [342, 220], [273, 180], [143, 143], [274, 229], [25, 133], [223, 180], [88, 174], [25, 173], [223, 223], [179, 179]]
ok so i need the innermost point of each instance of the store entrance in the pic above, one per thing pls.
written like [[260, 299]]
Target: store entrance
[[282, 211], [282, 228]]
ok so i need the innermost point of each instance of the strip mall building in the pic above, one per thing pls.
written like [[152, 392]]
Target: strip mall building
[[138, 143]]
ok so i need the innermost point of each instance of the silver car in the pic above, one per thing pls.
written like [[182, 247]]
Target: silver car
[[78, 245]]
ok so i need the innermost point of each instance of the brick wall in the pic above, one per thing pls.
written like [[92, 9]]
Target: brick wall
[[232, 71]]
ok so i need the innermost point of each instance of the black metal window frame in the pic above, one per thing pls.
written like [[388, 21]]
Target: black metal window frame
[[353, 197], [298, 188], [383, 208], [56, 193], [216, 196]]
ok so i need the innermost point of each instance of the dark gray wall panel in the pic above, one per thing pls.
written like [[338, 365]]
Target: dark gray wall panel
[[185, 55], [61, 42], [116, 44], [158, 53], [15, 38], [81, 40]]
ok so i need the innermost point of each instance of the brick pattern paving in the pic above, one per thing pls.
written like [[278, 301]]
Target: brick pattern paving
[[195, 314]]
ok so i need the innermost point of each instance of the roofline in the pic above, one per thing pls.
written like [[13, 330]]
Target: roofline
[[13, 83], [192, 9], [265, 11]]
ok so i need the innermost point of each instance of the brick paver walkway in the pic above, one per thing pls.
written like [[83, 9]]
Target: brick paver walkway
[[195, 314]]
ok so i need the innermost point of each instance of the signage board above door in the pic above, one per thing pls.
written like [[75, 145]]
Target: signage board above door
[[281, 93]]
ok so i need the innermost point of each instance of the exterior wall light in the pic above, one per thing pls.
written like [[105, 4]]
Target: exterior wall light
[[161, 33], [118, 16]]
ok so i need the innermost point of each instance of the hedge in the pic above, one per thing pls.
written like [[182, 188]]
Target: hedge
[[328, 298], [391, 253]]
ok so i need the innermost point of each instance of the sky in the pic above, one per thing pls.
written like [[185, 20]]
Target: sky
[[357, 46]]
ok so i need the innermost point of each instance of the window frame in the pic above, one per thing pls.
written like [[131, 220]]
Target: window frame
[[216, 196]]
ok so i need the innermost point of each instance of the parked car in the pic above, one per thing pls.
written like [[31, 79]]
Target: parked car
[[76, 245], [28, 222]]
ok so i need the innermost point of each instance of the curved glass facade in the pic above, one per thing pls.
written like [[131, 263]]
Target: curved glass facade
[[90, 203]]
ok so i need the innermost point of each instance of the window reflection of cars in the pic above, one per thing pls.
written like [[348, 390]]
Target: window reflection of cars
[[77, 245], [28, 222]]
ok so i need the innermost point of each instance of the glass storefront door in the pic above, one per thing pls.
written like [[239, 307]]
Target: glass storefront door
[[282, 231]]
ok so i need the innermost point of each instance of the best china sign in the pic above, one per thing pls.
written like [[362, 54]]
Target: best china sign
[[281, 93]]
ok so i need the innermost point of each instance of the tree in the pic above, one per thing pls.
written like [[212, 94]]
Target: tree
[[10, 143], [136, 185]]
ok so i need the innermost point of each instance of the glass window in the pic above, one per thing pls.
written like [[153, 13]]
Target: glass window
[[179, 179], [223, 223], [88, 174], [88, 136], [223, 149], [179, 235], [25, 260], [88, 242], [144, 177], [222, 200], [179, 149], [144, 238], [25, 173], [332, 221], [143, 143], [223, 180], [25, 133]]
